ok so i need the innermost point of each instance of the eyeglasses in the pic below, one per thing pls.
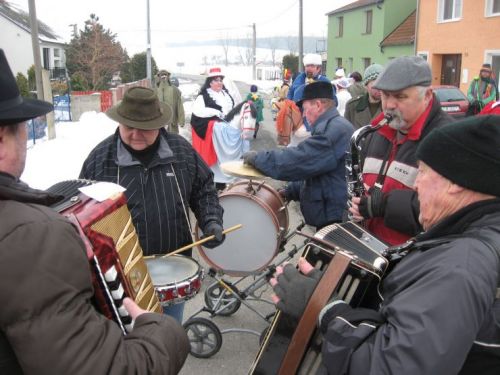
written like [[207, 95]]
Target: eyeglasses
[[217, 80]]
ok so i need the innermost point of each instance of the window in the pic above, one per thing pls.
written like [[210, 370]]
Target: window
[[367, 62], [492, 8], [341, 27], [339, 62], [57, 52], [368, 24], [424, 55], [449, 10]]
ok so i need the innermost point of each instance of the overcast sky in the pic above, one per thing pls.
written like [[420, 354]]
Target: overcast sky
[[181, 20]]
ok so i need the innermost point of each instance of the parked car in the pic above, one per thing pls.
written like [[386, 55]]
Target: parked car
[[452, 100], [174, 81]]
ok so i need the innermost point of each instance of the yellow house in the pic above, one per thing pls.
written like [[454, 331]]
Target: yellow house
[[457, 37]]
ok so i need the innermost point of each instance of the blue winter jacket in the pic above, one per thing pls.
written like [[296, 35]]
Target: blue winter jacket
[[301, 80], [316, 168]]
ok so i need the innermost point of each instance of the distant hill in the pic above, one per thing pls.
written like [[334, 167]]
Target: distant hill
[[311, 44]]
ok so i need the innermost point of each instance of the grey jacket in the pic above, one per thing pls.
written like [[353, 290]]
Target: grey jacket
[[47, 324], [153, 196], [440, 311]]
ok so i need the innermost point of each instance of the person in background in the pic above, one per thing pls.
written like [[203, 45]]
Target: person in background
[[212, 103], [343, 95], [440, 307], [259, 105], [389, 207], [361, 110], [163, 175], [357, 88], [316, 167], [172, 96], [47, 322], [312, 72], [482, 90]]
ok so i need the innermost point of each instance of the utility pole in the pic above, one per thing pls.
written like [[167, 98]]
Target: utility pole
[[51, 130], [148, 53], [36, 49], [254, 52], [301, 37], [75, 30]]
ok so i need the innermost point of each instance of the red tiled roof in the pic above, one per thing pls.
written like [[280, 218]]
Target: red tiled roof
[[402, 34], [355, 5]]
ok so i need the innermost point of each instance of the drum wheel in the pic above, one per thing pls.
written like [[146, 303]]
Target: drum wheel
[[204, 337], [220, 300]]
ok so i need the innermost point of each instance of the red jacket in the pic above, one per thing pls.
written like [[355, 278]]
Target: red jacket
[[400, 221]]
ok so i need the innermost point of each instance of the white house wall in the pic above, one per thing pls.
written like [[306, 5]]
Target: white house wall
[[16, 43]]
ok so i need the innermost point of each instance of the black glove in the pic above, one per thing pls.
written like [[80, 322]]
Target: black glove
[[373, 204], [294, 290], [213, 228], [249, 157]]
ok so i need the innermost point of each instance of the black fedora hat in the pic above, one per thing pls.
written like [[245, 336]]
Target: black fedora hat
[[317, 90], [141, 109], [13, 107]]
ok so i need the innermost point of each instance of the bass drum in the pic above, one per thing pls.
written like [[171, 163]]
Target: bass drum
[[264, 216]]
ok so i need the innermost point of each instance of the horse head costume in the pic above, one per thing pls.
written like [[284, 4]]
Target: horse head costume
[[288, 121]]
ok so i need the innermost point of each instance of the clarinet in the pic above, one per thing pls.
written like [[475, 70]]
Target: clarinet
[[354, 169]]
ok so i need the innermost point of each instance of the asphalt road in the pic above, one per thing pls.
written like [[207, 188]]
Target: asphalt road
[[239, 339]]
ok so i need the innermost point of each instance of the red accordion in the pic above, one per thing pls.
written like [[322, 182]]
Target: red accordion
[[113, 250]]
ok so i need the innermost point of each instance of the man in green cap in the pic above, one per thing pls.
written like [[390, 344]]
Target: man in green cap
[[163, 174], [172, 96]]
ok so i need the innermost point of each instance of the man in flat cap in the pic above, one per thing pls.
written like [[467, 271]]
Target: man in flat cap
[[163, 174], [389, 165], [440, 312], [316, 166], [47, 322], [312, 73]]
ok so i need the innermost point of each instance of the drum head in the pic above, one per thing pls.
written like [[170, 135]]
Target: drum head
[[169, 270], [251, 248]]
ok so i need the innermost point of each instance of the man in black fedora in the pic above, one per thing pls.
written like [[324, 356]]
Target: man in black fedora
[[163, 174], [47, 323], [316, 167]]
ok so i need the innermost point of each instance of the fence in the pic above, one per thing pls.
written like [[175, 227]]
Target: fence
[[106, 97]]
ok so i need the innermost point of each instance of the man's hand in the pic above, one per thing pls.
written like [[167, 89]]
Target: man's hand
[[215, 229], [133, 308], [294, 287], [282, 193], [372, 204], [249, 157], [354, 209]]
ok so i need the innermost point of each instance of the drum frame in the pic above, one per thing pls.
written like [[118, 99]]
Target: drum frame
[[267, 198]]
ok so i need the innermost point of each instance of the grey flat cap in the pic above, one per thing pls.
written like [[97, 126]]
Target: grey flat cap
[[403, 72]]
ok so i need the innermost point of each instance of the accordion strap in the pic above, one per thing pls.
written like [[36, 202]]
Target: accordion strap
[[298, 345]]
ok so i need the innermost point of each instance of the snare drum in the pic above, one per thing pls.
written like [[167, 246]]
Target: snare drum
[[264, 216], [175, 278]]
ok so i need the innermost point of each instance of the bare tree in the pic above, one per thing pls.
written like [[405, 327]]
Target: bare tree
[[273, 46], [292, 44], [225, 42]]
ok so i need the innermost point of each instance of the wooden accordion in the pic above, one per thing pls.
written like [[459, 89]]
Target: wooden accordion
[[353, 267], [113, 250]]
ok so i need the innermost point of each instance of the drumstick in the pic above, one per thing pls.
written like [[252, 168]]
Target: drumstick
[[199, 242]]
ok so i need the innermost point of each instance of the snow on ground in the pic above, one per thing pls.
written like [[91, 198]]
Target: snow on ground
[[59, 159]]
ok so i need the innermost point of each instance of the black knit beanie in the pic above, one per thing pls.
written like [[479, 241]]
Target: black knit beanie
[[466, 152]]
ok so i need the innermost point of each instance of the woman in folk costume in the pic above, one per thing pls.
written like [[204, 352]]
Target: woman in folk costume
[[212, 104], [259, 105]]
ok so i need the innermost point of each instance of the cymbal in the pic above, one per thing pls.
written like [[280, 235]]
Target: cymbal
[[237, 168]]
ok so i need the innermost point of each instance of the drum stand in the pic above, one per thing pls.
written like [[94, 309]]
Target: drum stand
[[223, 298]]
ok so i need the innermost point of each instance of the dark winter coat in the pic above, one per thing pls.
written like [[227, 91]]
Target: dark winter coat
[[357, 111], [299, 81], [400, 219], [47, 325], [316, 167], [440, 312], [152, 193]]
